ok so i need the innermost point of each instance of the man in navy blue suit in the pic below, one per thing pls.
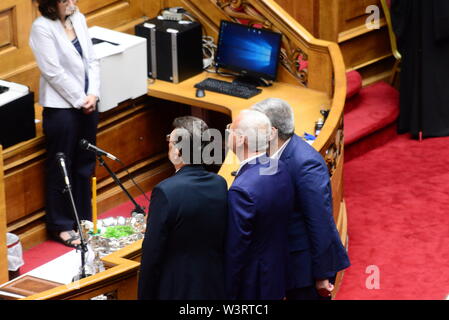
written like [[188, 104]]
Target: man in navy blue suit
[[183, 249], [316, 251], [260, 200]]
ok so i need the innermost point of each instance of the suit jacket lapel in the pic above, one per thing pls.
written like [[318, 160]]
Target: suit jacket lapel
[[62, 36], [79, 33], [189, 168], [263, 158]]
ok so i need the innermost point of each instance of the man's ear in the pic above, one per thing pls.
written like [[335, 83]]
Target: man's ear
[[178, 152], [176, 156], [241, 140]]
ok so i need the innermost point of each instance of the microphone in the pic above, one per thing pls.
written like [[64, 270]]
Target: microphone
[[87, 146], [60, 157]]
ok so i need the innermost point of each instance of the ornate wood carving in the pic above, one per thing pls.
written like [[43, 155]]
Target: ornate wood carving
[[335, 149], [295, 60], [292, 57]]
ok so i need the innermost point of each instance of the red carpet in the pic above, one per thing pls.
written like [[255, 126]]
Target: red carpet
[[370, 115], [397, 199], [374, 108], [353, 83], [50, 249]]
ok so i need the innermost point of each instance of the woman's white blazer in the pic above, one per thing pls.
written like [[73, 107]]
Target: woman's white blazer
[[62, 68]]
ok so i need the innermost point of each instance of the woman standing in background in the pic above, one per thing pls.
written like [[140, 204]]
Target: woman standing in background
[[69, 91]]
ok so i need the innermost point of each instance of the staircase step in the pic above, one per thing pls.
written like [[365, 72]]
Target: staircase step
[[371, 142], [374, 108], [353, 83]]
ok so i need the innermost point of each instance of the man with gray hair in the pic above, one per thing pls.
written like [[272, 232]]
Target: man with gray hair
[[316, 251], [183, 248], [256, 245]]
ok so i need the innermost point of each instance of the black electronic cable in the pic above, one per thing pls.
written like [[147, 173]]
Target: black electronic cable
[[134, 182]]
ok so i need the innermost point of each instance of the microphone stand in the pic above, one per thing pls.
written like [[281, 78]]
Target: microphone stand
[[137, 208], [83, 246]]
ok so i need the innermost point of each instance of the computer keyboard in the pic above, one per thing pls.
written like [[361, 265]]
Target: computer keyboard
[[229, 88]]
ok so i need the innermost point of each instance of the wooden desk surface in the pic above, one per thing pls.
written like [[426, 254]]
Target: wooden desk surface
[[306, 104]]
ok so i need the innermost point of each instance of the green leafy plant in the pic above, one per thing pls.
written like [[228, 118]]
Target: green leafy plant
[[118, 232]]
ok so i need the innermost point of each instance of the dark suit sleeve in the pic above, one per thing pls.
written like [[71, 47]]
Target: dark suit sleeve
[[242, 211], [316, 204], [154, 243]]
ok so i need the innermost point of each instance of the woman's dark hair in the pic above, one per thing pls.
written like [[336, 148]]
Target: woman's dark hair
[[48, 8]]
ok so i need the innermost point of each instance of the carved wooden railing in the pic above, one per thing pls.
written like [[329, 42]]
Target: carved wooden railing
[[293, 58], [307, 62]]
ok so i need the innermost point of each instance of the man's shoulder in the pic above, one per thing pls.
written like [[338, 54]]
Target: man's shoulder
[[302, 152], [42, 22], [168, 184], [78, 15], [185, 180], [267, 171], [262, 186]]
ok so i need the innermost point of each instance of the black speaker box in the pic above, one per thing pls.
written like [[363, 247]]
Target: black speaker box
[[174, 48], [17, 121]]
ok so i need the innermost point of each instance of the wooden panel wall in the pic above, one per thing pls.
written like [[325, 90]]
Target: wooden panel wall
[[145, 130], [136, 134], [342, 21], [24, 163], [16, 17]]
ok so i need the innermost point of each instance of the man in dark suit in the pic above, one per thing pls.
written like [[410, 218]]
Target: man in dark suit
[[260, 199], [316, 251], [183, 248]]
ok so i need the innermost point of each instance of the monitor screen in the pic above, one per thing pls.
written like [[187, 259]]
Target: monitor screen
[[251, 52]]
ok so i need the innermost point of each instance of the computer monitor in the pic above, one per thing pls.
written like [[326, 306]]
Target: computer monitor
[[251, 52]]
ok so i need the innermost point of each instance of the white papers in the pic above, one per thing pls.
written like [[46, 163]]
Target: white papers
[[105, 49], [15, 91]]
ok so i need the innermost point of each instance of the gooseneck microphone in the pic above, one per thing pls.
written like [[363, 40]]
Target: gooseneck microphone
[[60, 157], [88, 146], [84, 144]]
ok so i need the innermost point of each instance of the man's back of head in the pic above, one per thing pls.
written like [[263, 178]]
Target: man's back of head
[[280, 114], [190, 135], [255, 127]]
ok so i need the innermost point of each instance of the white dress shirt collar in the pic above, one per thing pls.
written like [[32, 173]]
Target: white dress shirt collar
[[278, 153], [242, 164]]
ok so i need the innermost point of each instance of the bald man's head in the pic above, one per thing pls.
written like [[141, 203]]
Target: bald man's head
[[253, 128]]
